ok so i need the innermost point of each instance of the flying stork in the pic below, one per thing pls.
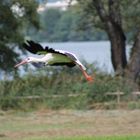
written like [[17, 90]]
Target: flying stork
[[52, 57]]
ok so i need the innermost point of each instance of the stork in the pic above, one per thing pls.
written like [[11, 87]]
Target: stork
[[52, 57]]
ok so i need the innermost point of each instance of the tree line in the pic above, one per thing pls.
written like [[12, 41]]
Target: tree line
[[61, 26]]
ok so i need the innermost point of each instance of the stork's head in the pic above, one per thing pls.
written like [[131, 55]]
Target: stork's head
[[27, 60]]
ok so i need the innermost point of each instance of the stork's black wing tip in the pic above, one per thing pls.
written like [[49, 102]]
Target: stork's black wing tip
[[32, 46], [51, 50]]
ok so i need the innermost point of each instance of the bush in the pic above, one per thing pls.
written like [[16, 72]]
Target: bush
[[60, 81]]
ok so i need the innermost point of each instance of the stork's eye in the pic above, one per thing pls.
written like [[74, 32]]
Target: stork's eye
[[28, 58]]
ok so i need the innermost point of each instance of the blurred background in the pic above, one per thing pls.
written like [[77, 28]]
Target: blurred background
[[57, 103], [104, 35]]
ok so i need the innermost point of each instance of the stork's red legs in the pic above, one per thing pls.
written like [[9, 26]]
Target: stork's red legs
[[88, 77]]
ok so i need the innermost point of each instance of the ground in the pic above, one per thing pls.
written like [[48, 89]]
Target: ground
[[66, 123]]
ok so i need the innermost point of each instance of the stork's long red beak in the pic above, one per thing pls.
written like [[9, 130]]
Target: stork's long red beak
[[21, 63]]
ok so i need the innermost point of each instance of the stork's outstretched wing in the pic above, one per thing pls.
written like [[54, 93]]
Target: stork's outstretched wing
[[36, 48]]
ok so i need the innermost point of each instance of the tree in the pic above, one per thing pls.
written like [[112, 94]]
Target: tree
[[49, 20], [58, 25], [14, 16], [117, 17], [133, 68], [109, 14]]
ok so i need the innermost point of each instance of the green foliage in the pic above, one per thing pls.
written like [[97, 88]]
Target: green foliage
[[15, 15], [66, 25], [60, 88], [98, 138], [131, 10], [129, 15], [105, 84]]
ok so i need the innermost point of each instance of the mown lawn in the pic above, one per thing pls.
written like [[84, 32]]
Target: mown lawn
[[101, 138], [80, 138], [88, 138], [70, 125]]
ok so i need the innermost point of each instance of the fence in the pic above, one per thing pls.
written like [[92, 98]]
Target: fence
[[117, 94]]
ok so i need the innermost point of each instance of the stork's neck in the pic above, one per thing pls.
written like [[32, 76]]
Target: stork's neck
[[43, 59], [37, 59]]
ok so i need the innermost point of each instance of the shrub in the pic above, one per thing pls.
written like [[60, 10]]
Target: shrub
[[64, 82]]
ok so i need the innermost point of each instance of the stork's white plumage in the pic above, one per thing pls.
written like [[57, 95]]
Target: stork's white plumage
[[52, 57]]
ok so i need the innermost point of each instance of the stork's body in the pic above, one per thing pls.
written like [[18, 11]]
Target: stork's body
[[52, 57]]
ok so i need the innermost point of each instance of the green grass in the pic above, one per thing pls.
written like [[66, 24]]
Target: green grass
[[80, 138], [70, 125], [101, 138]]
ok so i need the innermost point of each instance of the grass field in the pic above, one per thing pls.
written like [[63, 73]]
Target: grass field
[[70, 125]]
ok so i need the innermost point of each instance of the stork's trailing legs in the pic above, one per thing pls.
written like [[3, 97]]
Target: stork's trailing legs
[[88, 77]]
